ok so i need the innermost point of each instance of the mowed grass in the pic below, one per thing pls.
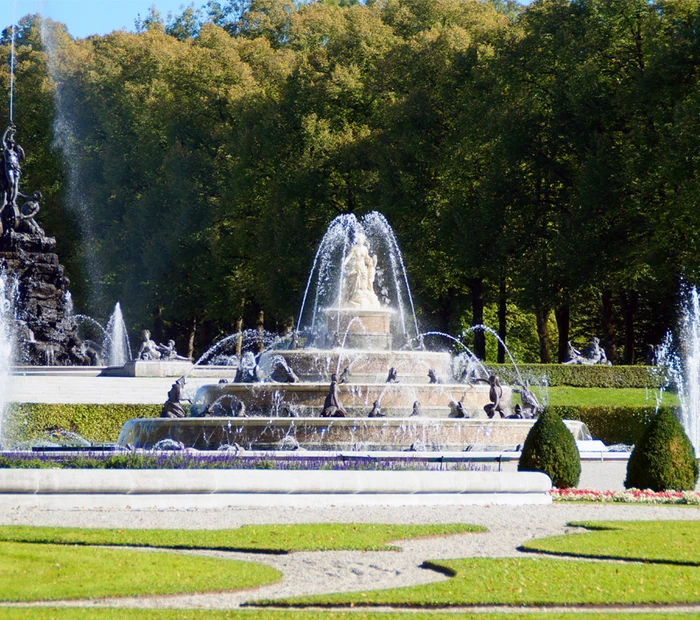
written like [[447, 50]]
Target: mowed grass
[[529, 581], [33, 572], [47, 613], [646, 541], [260, 538], [603, 397]]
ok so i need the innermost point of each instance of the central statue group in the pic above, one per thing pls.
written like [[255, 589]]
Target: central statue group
[[13, 216]]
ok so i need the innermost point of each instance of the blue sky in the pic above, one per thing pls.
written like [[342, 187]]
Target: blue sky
[[86, 17]]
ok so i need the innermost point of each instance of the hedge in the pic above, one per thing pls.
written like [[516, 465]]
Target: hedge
[[103, 422], [612, 425], [584, 376], [25, 421]]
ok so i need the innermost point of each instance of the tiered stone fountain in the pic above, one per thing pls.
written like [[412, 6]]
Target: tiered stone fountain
[[385, 398]]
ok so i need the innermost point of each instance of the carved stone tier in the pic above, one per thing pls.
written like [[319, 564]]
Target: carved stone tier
[[317, 365], [360, 329], [335, 434], [306, 399]]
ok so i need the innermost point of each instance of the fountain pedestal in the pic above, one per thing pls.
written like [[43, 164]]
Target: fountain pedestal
[[358, 328]]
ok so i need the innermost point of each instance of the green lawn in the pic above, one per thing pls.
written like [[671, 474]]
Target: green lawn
[[604, 397], [267, 538], [650, 541], [43, 613], [30, 572], [531, 581]]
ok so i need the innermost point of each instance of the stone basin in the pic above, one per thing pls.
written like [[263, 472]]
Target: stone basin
[[366, 366], [306, 399], [334, 433]]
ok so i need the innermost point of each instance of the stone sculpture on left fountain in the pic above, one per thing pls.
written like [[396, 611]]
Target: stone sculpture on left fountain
[[46, 334]]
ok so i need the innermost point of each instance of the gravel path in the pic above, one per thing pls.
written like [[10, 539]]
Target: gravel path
[[339, 571]]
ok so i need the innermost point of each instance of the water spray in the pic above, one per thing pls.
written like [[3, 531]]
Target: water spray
[[12, 62]]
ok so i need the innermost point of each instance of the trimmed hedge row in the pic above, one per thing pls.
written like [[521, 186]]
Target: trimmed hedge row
[[584, 376], [25, 421], [103, 422], [612, 424]]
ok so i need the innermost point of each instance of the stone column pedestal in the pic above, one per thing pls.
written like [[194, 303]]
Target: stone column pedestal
[[355, 328]]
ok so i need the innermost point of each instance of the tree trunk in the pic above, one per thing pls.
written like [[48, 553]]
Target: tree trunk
[[502, 321], [190, 340], [476, 287], [563, 316], [630, 301], [542, 317], [158, 331], [609, 341]]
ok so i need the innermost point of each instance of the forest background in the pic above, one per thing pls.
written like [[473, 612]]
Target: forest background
[[539, 164]]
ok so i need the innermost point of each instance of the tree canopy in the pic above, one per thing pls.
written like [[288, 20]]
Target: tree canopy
[[539, 164]]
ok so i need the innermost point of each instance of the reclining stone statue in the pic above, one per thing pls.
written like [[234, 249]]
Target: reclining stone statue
[[593, 354]]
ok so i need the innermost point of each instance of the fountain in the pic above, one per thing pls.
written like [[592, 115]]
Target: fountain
[[118, 347], [682, 367], [357, 331]]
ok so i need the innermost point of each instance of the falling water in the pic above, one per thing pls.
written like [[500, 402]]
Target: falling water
[[327, 273], [118, 348], [8, 296], [66, 140], [683, 367]]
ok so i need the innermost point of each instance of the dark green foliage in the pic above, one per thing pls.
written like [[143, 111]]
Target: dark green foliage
[[610, 424], [25, 421], [585, 376], [664, 458], [551, 448]]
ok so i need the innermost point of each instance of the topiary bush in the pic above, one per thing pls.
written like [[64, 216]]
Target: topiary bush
[[664, 458], [551, 448]]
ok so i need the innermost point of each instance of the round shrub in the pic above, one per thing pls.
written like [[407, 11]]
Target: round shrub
[[663, 458], [551, 448]]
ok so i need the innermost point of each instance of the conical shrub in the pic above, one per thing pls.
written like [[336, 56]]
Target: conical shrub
[[663, 458], [551, 448]]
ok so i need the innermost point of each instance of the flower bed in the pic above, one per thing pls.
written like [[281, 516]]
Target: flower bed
[[631, 496]]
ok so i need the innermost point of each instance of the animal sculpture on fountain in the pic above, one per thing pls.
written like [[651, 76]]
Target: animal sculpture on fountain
[[172, 407], [457, 410], [359, 269], [495, 395], [392, 376], [345, 375], [432, 377], [417, 410], [376, 411], [531, 406], [332, 407]]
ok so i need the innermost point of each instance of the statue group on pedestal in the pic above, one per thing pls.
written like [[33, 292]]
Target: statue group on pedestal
[[359, 270], [150, 350], [14, 216]]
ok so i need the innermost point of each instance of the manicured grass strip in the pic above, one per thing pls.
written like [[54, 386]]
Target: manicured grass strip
[[530, 581], [262, 538], [62, 613], [676, 542], [30, 572], [610, 397]]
